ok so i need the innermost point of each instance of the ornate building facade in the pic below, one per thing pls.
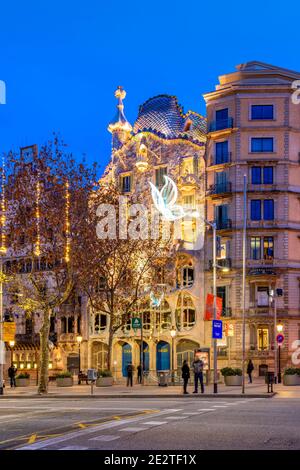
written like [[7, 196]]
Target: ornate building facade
[[162, 141]]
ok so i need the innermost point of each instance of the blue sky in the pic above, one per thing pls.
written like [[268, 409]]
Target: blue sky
[[62, 60]]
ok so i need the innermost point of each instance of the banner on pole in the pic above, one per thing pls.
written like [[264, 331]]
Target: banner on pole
[[209, 307], [9, 331]]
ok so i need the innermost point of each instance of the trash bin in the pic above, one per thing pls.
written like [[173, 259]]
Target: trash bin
[[163, 378]]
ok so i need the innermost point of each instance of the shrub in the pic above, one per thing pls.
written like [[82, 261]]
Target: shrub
[[292, 371], [23, 375], [104, 373], [64, 375], [229, 371]]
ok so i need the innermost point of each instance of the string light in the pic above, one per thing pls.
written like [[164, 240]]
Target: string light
[[67, 223], [3, 209], [37, 250]]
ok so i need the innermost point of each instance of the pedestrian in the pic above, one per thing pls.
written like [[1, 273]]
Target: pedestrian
[[250, 368], [129, 370], [198, 365], [12, 375], [185, 375], [139, 373]]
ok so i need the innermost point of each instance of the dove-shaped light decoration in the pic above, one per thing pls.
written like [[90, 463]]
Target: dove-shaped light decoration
[[156, 301], [165, 199]]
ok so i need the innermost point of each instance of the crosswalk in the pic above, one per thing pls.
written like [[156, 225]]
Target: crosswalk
[[98, 436]]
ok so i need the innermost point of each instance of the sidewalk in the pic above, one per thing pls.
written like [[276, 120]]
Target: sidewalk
[[255, 390]]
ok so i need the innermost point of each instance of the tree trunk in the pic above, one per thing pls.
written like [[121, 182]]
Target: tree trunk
[[44, 354], [110, 345]]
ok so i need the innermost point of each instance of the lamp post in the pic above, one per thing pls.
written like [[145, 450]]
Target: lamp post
[[279, 328], [173, 333], [79, 341]]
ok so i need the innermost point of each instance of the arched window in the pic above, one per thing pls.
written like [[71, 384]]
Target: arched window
[[99, 355], [156, 317], [185, 276], [100, 323], [185, 312]]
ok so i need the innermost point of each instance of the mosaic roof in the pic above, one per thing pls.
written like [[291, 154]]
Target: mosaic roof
[[163, 116]]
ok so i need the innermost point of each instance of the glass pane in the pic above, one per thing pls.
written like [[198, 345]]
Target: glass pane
[[268, 175], [269, 209], [255, 247], [256, 175], [256, 210], [262, 112]]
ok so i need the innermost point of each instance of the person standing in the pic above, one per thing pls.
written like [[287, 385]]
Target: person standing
[[12, 375], [198, 365], [139, 373], [185, 375], [250, 368], [129, 370]]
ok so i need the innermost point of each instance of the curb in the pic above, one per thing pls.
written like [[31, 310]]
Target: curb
[[204, 395]]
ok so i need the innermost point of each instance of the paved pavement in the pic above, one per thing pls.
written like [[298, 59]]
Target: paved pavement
[[257, 389], [150, 424]]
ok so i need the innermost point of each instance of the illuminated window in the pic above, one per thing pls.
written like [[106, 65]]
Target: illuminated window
[[159, 176], [262, 339], [185, 313]]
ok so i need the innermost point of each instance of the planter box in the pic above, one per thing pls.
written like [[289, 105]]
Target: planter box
[[64, 382], [22, 382], [104, 382], [291, 379], [233, 380]]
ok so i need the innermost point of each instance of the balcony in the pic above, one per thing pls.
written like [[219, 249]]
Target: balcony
[[226, 157], [219, 125], [223, 224], [226, 312], [219, 188], [221, 262], [188, 182]]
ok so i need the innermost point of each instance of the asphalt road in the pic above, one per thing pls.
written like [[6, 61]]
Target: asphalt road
[[150, 424]]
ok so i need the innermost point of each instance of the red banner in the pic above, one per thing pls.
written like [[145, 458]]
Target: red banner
[[209, 308]]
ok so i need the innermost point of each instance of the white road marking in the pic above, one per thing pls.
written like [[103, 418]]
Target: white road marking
[[206, 409], [105, 438], [220, 406], [176, 417], [155, 423], [133, 429], [73, 448], [83, 432], [191, 413]]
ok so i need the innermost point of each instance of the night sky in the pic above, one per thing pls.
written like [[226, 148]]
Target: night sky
[[61, 60]]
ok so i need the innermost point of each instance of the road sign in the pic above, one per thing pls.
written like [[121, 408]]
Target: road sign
[[136, 323], [280, 338], [9, 331], [217, 329]]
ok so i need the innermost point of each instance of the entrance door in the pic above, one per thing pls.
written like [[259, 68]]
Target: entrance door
[[126, 357], [73, 363], [146, 359], [163, 356]]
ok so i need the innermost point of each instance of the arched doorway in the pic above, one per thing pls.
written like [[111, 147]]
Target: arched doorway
[[163, 356], [185, 351], [99, 355], [126, 358]]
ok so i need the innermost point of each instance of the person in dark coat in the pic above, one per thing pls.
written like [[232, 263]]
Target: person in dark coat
[[129, 370], [12, 375], [139, 373], [250, 368], [185, 375]]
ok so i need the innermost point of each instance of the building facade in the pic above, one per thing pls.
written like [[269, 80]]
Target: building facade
[[254, 130]]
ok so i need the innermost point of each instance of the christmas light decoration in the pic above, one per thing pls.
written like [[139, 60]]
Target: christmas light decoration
[[37, 250], [3, 209], [67, 223]]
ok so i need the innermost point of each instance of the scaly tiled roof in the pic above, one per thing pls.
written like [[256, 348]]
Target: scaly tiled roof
[[163, 116]]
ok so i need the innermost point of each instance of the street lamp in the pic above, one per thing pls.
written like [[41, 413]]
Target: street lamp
[[173, 333], [79, 341], [279, 328]]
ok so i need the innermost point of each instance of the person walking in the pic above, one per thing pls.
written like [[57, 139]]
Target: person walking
[[12, 375], [139, 373], [129, 370], [185, 375], [198, 365], [250, 368]]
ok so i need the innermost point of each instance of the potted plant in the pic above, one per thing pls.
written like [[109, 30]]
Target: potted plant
[[232, 376], [64, 379], [291, 376], [104, 378], [23, 379]]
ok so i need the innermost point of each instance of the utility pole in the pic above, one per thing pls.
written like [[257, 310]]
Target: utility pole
[[2, 349], [214, 227]]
